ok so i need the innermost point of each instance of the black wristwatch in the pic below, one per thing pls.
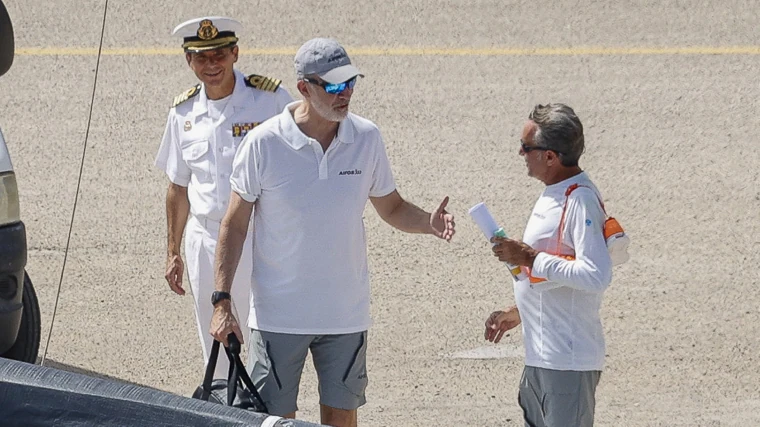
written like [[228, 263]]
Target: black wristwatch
[[218, 296]]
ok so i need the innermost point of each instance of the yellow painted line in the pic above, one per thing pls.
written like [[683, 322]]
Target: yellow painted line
[[414, 51]]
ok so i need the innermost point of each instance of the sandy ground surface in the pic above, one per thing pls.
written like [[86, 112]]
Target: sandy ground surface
[[671, 142]]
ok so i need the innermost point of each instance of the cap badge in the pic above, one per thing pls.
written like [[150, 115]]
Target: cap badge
[[207, 30]]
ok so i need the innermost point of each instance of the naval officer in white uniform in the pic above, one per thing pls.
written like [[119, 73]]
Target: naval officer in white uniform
[[203, 130]]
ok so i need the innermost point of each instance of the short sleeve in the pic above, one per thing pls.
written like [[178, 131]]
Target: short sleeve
[[382, 175], [246, 178], [169, 158]]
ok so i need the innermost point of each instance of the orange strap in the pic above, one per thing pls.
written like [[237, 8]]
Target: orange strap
[[569, 190], [534, 279]]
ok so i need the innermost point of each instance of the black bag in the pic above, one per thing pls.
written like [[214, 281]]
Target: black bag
[[238, 390]]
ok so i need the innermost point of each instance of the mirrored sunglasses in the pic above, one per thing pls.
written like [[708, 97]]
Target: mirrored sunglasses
[[333, 88]]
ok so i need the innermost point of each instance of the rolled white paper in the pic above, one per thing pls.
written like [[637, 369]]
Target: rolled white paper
[[490, 228], [484, 220]]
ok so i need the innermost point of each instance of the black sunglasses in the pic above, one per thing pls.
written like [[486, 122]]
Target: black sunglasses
[[528, 148]]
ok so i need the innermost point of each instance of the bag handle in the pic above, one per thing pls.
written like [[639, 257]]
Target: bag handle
[[237, 372], [208, 377], [233, 374], [569, 190]]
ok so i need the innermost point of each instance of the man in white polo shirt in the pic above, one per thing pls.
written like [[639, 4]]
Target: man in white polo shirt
[[309, 172], [566, 257]]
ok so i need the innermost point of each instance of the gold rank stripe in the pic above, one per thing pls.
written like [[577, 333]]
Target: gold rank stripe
[[270, 84], [415, 51], [263, 82]]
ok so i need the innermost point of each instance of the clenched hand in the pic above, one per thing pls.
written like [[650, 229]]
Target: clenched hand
[[513, 251], [223, 323]]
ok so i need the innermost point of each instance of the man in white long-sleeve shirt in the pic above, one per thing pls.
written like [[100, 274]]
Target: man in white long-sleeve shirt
[[565, 255]]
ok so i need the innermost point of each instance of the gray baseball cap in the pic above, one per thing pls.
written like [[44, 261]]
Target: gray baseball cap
[[325, 58]]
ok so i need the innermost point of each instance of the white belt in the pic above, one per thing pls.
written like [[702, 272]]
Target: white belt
[[213, 225], [208, 224]]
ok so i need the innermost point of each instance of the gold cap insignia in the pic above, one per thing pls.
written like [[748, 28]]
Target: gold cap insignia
[[207, 30]]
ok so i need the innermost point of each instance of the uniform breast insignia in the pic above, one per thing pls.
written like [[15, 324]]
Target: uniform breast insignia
[[240, 129], [262, 82], [184, 96]]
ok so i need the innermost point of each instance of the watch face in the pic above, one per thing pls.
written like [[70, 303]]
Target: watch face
[[218, 296]]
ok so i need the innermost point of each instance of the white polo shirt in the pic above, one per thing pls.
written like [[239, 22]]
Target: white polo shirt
[[310, 273], [202, 136]]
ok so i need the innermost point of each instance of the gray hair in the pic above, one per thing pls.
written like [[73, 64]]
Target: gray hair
[[559, 130]]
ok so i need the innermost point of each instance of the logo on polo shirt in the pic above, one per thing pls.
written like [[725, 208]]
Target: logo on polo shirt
[[350, 172]]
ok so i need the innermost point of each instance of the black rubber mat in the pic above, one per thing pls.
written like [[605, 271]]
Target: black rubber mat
[[34, 395]]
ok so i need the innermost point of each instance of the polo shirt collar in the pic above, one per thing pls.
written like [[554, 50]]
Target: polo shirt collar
[[298, 139], [346, 131]]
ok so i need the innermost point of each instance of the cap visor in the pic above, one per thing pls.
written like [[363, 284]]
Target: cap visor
[[341, 74], [207, 48]]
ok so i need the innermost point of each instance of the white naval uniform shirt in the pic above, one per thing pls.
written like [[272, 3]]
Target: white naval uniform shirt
[[198, 148]]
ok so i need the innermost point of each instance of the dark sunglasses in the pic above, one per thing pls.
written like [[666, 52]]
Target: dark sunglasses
[[333, 88], [528, 148]]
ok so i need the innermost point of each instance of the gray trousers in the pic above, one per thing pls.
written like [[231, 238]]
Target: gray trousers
[[552, 398]]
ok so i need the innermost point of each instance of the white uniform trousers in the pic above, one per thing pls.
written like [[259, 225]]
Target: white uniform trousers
[[201, 236]]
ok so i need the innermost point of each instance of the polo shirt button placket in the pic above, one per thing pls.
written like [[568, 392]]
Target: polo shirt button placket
[[321, 158], [323, 168]]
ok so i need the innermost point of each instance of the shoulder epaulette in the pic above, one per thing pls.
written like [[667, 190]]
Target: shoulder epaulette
[[184, 96], [262, 82]]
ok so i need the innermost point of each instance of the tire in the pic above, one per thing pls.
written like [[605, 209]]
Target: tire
[[7, 44], [27, 344]]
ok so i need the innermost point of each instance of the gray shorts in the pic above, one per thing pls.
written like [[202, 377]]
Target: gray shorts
[[552, 398], [275, 363]]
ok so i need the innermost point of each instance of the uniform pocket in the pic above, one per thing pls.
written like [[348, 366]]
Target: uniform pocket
[[198, 158]]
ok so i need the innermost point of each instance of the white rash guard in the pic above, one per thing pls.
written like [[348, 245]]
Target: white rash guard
[[560, 316]]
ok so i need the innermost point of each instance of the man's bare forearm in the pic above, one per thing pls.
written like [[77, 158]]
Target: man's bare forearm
[[409, 218], [229, 247], [177, 210], [228, 251]]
